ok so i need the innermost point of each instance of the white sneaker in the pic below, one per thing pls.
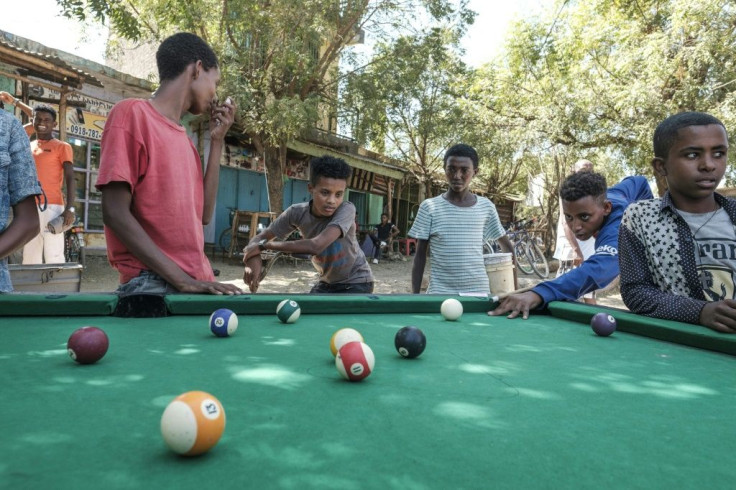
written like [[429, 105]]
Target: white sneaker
[[383, 244], [375, 261]]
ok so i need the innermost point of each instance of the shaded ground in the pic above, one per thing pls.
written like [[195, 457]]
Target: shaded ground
[[391, 277]]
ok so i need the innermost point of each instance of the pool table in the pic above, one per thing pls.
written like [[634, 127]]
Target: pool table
[[491, 403]]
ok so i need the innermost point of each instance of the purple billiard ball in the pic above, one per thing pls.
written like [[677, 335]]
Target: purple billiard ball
[[410, 342], [603, 324], [87, 345]]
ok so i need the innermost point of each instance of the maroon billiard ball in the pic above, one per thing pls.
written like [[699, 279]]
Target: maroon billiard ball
[[603, 324], [87, 345]]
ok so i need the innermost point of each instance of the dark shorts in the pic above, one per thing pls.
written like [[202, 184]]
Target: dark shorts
[[355, 288]]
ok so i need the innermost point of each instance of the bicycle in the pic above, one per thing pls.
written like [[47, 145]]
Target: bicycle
[[73, 243], [226, 237], [270, 258], [528, 254]]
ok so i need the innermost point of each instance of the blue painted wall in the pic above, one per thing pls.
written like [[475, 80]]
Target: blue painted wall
[[247, 190], [295, 191], [241, 189]]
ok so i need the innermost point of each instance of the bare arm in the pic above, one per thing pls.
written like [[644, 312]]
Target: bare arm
[[417, 269], [220, 121], [311, 246], [23, 227], [71, 194], [116, 202], [253, 264], [9, 99]]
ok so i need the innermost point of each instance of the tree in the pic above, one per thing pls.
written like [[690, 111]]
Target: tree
[[592, 79], [279, 58], [405, 103]]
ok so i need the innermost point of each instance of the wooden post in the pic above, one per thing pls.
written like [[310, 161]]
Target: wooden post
[[398, 204], [62, 114], [389, 195]]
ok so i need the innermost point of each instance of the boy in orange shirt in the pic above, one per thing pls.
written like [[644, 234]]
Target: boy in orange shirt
[[54, 166]]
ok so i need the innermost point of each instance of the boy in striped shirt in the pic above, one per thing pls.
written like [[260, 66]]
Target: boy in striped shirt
[[454, 226]]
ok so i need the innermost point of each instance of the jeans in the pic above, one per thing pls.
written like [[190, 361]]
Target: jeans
[[147, 282]]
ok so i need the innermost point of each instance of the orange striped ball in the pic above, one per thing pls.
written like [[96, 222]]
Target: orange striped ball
[[193, 423]]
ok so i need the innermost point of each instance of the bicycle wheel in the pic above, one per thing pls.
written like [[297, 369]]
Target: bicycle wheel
[[270, 259], [521, 257], [491, 247], [538, 262], [224, 240]]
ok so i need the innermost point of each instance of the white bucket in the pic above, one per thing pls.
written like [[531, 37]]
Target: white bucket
[[500, 272]]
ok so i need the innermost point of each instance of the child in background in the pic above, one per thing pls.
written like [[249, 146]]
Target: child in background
[[452, 228], [678, 253], [327, 225], [383, 238], [55, 169]]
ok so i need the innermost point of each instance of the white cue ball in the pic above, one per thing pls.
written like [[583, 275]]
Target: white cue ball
[[451, 309]]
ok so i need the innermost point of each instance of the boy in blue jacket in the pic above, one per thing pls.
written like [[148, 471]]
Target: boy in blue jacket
[[590, 211]]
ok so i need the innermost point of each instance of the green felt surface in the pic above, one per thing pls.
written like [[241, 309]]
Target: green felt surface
[[492, 403]]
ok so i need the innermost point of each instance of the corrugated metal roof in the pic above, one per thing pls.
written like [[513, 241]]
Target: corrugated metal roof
[[45, 66]]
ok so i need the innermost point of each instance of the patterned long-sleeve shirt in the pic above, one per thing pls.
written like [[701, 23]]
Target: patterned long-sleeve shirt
[[659, 275], [18, 178]]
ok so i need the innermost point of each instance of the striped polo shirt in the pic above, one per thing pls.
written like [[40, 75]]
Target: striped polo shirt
[[456, 236]]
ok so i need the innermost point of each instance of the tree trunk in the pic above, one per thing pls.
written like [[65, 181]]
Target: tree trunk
[[275, 163]]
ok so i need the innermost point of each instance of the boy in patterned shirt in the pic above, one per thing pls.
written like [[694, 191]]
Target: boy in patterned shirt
[[678, 253], [455, 225]]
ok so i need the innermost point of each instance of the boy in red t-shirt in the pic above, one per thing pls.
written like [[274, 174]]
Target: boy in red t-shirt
[[155, 196]]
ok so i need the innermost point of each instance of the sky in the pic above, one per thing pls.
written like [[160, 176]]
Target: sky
[[484, 39]]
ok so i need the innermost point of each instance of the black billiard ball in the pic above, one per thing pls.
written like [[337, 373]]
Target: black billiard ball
[[603, 324], [87, 345], [410, 342]]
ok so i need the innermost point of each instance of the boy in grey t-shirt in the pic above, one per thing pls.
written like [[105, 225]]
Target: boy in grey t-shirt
[[327, 223]]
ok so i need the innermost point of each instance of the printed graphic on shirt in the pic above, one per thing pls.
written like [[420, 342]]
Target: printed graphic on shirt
[[718, 282], [606, 250]]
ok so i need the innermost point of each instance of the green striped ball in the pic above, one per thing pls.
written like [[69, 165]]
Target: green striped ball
[[288, 311]]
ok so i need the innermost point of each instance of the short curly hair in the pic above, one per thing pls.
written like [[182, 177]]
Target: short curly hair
[[45, 108], [666, 133], [583, 184], [461, 150], [330, 167], [181, 50]]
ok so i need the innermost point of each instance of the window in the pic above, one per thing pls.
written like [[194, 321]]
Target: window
[[86, 167]]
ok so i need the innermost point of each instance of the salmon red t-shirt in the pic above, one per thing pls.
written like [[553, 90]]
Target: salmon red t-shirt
[[50, 156], [160, 163]]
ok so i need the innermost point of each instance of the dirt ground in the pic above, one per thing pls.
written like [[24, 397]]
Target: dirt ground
[[391, 277]]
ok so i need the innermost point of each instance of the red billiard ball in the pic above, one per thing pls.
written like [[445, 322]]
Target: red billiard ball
[[410, 342], [87, 345], [355, 361], [603, 324]]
